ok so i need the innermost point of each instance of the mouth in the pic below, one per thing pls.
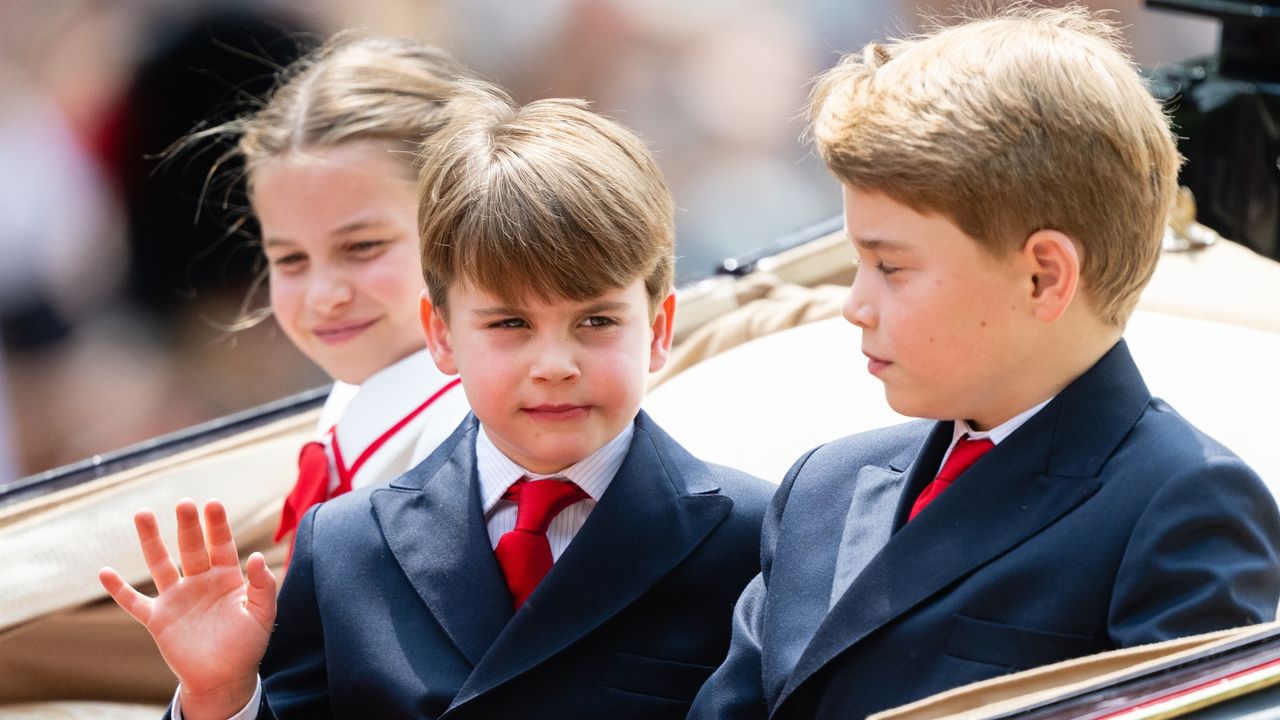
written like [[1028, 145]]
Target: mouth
[[876, 365], [557, 413], [337, 334]]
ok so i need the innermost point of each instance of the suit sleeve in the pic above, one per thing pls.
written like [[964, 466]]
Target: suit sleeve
[[1203, 556], [735, 691], [294, 674]]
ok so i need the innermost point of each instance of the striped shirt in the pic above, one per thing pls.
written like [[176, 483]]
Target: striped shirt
[[593, 474]]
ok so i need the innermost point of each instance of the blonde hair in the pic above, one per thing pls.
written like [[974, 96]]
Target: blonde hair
[[549, 199], [353, 87], [1020, 120]]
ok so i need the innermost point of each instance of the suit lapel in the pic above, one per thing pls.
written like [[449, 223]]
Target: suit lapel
[[809, 562], [1038, 474], [923, 468], [658, 509], [433, 524]]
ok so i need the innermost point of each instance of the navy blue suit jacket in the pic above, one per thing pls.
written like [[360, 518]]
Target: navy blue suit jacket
[[1105, 521], [394, 606]]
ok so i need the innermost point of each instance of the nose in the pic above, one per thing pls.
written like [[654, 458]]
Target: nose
[[858, 307], [555, 360], [329, 290]]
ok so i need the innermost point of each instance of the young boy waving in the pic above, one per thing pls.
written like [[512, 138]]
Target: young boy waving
[[1006, 182], [559, 556]]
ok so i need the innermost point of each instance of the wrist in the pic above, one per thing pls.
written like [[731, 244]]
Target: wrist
[[217, 703]]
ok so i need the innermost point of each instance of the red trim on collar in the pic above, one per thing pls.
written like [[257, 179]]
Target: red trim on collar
[[345, 474]]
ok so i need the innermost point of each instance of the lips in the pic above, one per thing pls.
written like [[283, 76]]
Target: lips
[[337, 334], [557, 412], [876, 365]]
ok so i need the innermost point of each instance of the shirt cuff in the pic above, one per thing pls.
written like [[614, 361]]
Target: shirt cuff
[[248, 712]]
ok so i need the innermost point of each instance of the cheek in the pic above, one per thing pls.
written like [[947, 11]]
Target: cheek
[[484, 368], [625, 368], [285, 296], [396, 284]]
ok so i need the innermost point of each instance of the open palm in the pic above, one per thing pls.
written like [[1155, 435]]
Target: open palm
[[210, 624]]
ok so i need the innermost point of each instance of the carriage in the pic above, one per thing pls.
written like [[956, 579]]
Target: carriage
[[759, 337]]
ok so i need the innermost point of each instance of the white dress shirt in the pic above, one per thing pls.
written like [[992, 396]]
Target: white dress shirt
[[996, 434], [593, 474], [496, 472], [360, 414]]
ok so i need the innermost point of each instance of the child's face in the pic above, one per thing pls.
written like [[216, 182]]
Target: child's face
[[944, 323], [551, 381], [339, 229]]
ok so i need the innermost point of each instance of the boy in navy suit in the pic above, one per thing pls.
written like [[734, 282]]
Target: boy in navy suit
[[1006, 182], [559, 556]]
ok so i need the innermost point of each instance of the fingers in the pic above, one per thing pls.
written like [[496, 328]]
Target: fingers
[[260, 598], [131, 601], [156, 555], [222, 546], [191, 547]]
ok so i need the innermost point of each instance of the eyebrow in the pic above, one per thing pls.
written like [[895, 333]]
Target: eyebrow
[[504, 310], [274, 241], [350, 227], [355, 225], [874, 243]]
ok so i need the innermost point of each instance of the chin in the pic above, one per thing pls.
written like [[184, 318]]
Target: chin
[[347, 374], [911, 407], [563, 457]]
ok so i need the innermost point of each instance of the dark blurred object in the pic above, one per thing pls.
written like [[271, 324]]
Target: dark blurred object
[[1226, 110], [203, 70]]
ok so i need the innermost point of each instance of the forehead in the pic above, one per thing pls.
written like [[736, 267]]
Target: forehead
[[329, 185]]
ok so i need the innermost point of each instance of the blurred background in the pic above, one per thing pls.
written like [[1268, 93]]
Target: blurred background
[[118, 283]]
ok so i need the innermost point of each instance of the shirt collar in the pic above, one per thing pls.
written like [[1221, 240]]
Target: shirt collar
[[593, 473], [362, 413], [998, 433]]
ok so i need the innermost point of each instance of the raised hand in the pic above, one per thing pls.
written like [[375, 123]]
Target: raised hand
[[210, 625]]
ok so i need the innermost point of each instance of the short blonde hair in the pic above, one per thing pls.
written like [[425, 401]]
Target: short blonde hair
[[549, 200], [1020, 120]]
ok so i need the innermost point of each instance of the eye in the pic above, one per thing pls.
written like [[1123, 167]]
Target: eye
[[288, 261], [512, 323], [366, 248], [599, 321], [887, 269]]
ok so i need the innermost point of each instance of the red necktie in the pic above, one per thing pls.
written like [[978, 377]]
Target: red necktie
[[312, 487], [525, 553], [965, 453]]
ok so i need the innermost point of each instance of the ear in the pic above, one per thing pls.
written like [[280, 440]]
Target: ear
[[436, 329], [663, 322], [1054, 263]]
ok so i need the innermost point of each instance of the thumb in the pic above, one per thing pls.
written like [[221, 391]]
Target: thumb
[[260, 598], [130, 600]]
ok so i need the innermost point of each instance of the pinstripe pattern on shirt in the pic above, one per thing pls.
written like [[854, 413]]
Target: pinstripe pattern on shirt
[[593, 474]]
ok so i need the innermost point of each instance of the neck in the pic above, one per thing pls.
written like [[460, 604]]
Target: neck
[[1063, 353]]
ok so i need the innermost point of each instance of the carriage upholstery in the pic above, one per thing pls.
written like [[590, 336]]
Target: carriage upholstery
[[763, 369]]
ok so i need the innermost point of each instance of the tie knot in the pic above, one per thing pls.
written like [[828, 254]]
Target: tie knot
[[965, 453], [541, 500], [313, 452]]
